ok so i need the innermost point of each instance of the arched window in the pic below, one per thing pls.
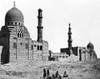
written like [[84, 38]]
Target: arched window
[[19, 24], [41, 48], [34, 45], [11, 23], [20, 33], [31, 47], [15, 23], [80, 57], [38, 47], [14, 45], [21, 43]]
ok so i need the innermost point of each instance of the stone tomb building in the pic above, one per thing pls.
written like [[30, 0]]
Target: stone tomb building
[[16, 41], [79, 53], [71, 53]]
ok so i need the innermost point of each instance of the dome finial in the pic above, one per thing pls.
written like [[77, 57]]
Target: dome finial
[[89, 41], [14, 4]]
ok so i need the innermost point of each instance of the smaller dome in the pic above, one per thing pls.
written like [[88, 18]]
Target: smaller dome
[[14, 15], [90, 46]]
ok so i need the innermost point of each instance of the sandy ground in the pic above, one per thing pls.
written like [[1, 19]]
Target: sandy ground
[[34, 69]]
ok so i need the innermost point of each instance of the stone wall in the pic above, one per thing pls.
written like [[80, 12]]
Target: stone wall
[[1, 48], [18, 46], [41, 50]]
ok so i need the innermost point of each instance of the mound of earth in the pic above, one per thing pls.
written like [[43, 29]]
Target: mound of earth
[[34, 69]]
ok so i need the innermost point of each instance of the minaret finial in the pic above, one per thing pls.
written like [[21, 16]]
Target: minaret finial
[[14, 3], [69, 24]]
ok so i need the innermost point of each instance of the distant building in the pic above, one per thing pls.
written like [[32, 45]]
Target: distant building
[[77, 53], [16, 41]]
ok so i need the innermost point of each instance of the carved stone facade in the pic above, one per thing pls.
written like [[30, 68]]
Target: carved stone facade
[[16, 41]]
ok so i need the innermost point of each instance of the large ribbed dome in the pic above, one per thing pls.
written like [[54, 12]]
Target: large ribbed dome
[[14, 15]]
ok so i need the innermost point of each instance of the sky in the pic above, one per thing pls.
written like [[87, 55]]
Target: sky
[[84, 16]]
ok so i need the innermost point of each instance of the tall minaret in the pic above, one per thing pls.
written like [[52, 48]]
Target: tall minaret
[[39, 27], [70, 39]]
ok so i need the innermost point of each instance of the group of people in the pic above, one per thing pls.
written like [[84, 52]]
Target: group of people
[[46, 75]]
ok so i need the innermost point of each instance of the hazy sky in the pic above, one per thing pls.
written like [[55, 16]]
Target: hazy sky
[[84, 16]]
